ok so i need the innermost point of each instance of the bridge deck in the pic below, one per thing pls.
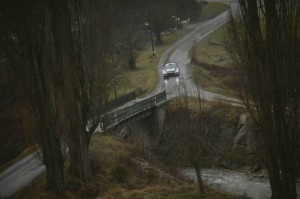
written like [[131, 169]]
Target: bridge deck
[[118, 116]]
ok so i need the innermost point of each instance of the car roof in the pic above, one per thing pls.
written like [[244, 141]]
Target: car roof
[[171, 64]]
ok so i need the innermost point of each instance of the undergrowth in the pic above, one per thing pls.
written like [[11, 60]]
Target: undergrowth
[[119, 172]]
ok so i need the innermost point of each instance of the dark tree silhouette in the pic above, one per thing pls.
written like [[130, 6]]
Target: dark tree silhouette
[[265, 48], [57, 52], [191, 132], [27, 40]]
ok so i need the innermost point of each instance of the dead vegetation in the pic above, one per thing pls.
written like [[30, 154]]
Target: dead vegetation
[[225, 155], [120, 172]]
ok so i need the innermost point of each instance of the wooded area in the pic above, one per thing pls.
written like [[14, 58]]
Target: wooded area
[[58, 63], [265, 49]]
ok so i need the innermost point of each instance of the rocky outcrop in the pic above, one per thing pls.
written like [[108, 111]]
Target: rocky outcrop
[[246, 134]]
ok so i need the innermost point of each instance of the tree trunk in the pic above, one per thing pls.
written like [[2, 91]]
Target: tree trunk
[[79, 152], [72, 85], [53, 160], [199, 179], [269, 61], [274, 177], [48, 138], [158, 37], [283, 183], [131, 59], [79, 159]]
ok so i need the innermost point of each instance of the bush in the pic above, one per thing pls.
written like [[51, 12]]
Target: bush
[[96, 162], [151, 175], [122, 157], [120, 173]]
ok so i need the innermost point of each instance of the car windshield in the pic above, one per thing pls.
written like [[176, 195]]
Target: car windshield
[[170, 65]]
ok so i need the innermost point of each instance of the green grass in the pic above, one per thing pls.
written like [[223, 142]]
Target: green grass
[[205, 52], [144, 79], [211, 67], [212, 9], [226, 112]]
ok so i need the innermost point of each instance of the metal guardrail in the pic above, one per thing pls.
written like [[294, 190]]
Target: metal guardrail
[[110, 105], [119, 101], [125, 113]]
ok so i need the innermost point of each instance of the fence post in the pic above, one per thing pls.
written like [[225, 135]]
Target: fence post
[[116, 119]]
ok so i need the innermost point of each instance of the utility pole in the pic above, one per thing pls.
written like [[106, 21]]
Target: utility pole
[[114, 78], [149, 25], [151, 35], [114, 50]]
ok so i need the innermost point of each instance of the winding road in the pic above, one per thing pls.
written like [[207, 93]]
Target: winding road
[[231, 181], [24, 171], [20, 174], [179, 53]]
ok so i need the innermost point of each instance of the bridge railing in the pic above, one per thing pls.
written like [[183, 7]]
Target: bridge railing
[[120, 115], [119, 101]]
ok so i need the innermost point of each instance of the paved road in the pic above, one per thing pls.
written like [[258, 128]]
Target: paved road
[[232, 181], [20, 174], [179, 53], [23, 172]]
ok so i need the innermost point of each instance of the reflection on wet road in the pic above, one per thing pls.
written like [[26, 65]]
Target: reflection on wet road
[[172, 84], [179, 53]]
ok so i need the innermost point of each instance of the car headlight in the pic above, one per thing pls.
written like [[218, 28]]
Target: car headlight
[[177, 70], [164, 72]]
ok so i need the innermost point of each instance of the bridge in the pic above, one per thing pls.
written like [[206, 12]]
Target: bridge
[[153, 106]]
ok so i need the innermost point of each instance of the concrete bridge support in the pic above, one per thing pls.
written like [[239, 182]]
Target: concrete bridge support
[[158, 118], [147, 126]]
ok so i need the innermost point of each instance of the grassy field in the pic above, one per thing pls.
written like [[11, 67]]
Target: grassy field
[[211, 66], [144, 79], [116, 176], [212, 9]]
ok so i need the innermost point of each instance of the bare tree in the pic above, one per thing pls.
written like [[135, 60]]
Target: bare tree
[[189, 9], [26, 38], [162, 15], [90, 78], [265, 49], [58, 52], [191, 131], [128, 30], [132, 37]]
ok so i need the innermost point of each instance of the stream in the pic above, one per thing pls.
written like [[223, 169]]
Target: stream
[[236, 182]]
